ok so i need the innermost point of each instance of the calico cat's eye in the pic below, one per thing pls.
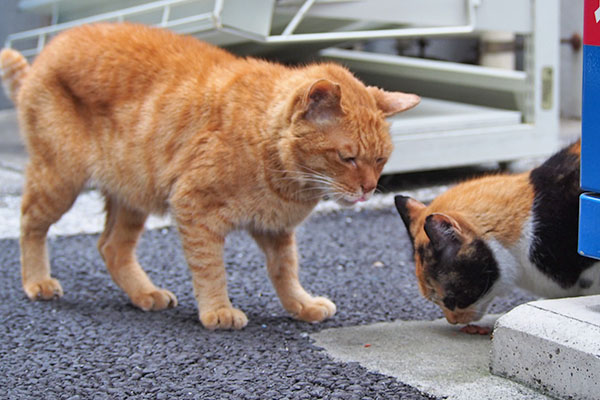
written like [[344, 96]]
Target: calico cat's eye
[[347, 160], [431, 295]]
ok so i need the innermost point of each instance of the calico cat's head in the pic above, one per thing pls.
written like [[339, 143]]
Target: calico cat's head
[[339, 140], [455, 267]]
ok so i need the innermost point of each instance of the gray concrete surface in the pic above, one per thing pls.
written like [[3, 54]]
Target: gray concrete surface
[[433, 356]]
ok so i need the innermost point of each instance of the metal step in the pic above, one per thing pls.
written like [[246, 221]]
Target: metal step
[[436, 134], [432, 116], [440, 134]]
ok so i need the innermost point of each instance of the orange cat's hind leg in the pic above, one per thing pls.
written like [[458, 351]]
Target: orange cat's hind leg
[[117, 246], [47, 195]]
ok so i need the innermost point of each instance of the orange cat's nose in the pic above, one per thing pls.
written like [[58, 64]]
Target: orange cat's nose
[[368, 187]]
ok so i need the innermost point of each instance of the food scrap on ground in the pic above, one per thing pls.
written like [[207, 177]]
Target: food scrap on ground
[[476, 330]]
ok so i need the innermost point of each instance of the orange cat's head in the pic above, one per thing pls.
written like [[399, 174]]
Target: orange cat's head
[[338, 139], [455, 267]]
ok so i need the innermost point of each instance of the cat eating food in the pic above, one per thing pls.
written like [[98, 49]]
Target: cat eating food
[[161, 122], [482, 238]]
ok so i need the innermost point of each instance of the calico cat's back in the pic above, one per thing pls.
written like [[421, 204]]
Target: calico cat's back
[[556, 217], [561, 171], [501, 204], [495, 205]]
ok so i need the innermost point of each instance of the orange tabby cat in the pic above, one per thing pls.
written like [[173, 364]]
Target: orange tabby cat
[[166, 122]]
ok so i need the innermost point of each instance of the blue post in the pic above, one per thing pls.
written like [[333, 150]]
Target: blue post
[[589, 203]]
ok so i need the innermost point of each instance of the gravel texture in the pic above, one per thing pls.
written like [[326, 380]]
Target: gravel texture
[[93, 344]]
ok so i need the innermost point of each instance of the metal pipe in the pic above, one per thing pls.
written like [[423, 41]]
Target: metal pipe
[[360, 35], [216, 14], [41, 42], [289, 29], [188, 20], [120, 14], [165, 15], [286, 37]]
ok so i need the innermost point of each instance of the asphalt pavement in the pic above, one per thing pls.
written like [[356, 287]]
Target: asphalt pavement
[[93, 344]]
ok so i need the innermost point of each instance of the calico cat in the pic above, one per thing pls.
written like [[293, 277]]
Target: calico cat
[[483, 237], [162, 122]]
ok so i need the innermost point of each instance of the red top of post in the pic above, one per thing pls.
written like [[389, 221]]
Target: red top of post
[[591, 22]]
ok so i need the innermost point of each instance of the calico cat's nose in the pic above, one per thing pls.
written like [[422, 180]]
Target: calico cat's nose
[[463, 316]]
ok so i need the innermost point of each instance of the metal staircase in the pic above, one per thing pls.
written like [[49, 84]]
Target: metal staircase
[[469, 114]]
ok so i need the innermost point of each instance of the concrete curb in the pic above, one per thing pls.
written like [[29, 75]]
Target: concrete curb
[[552, 346]]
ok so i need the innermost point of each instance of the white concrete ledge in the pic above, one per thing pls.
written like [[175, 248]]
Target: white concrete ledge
[[552, 346]]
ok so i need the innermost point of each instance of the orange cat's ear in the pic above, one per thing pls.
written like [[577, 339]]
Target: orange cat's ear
[[391, 103], [409, 209], [443, 232], [322, 102]]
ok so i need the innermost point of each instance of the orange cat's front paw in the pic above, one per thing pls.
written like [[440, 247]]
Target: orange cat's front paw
[[46, 289], [316, 309], [223, 318], [155, 300]]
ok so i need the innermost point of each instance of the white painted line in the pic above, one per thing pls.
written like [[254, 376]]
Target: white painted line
[[87, 214], [85, 217]]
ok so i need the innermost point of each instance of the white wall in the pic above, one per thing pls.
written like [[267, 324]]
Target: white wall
[[571, 62]]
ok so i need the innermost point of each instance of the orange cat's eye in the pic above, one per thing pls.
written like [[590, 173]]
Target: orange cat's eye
[[348, 160], [380, 160]]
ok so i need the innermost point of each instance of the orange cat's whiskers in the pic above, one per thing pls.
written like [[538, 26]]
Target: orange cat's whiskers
[[319, 191], [317, 177], [321, 181], [340, 196]]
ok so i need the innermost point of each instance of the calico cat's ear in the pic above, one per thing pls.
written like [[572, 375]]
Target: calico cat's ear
[[322, 102], [443, 231], [408, 208], [391, 103]]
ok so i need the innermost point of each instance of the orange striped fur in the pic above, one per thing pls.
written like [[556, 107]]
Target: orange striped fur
[[162, 122]]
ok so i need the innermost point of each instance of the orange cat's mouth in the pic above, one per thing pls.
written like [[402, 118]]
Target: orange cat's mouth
[[344, 202], [348, 201]]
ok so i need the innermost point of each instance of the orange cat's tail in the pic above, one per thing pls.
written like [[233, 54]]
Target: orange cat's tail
[[13, 68]]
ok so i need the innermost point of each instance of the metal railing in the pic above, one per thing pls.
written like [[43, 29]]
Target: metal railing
[[213, 20], [42, 34]]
